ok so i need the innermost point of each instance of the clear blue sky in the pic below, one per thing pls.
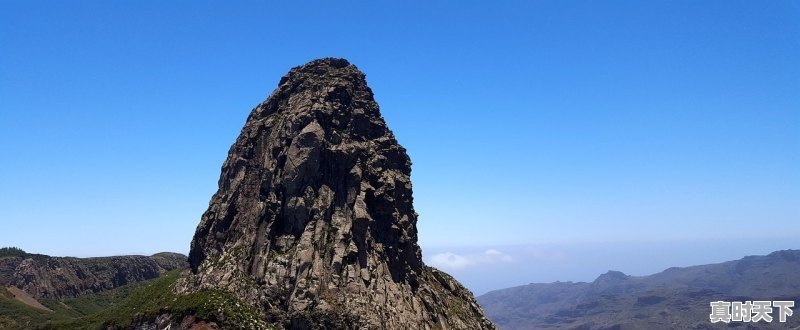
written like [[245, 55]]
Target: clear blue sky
[[528, 122]]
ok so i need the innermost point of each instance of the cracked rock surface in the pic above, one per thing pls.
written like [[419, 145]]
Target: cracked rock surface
[[313, 221]]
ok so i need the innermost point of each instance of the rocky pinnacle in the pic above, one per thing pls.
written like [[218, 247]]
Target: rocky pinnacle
[[313, 221]]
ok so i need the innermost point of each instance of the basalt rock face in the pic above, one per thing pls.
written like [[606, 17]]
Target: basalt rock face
[[313, 221]]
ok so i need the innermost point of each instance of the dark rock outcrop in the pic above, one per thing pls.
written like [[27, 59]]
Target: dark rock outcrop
[[48, 277], [313, 220]]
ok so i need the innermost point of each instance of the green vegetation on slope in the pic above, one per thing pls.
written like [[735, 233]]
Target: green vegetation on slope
[[138, 302], [11, 252]]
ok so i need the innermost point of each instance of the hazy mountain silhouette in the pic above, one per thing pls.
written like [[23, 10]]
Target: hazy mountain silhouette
[[677, 298]]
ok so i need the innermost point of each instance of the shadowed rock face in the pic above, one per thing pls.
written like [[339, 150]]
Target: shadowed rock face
[[313, 219]]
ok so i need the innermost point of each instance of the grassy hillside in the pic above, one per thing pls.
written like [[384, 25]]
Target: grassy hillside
[[130, 304]]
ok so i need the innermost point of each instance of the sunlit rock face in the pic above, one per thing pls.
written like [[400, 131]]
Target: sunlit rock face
[[313, 220]]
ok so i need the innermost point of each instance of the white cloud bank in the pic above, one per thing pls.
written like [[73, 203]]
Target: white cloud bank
[[453, 261]]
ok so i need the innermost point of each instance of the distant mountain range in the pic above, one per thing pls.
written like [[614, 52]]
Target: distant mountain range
[[43, 292], [68, 293], [677, 298], [43, 276]]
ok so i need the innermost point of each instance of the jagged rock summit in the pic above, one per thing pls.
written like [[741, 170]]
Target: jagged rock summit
[[313, 221]]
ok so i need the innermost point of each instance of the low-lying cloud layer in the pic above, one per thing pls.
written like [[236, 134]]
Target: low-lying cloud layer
[[453, 261]]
